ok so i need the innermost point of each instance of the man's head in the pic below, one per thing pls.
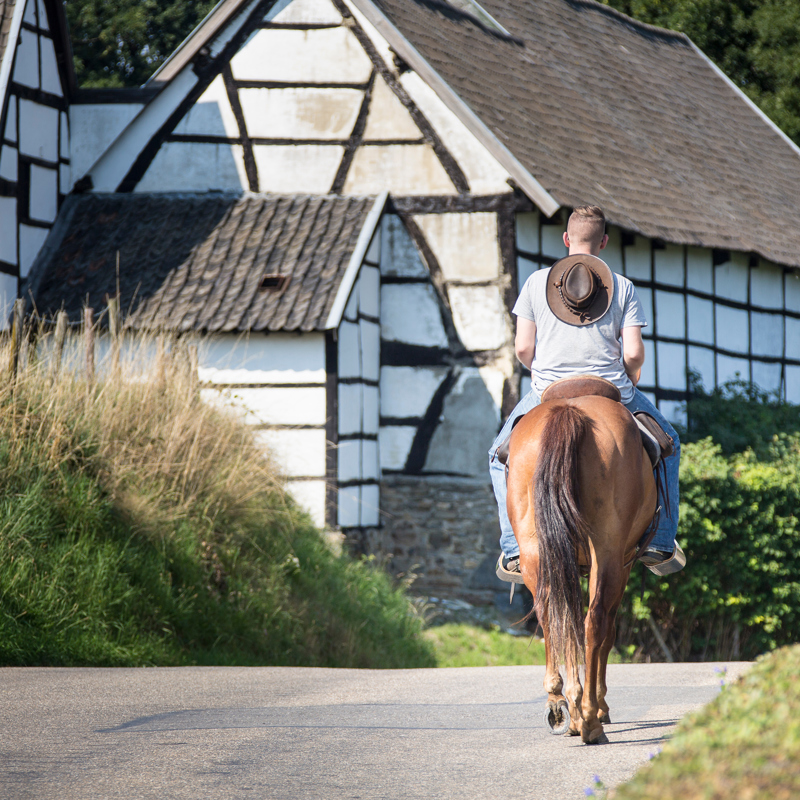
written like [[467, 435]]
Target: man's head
[[586, 231]]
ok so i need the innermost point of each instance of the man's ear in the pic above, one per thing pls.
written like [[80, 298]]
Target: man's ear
[[566, 239], [604, 242]]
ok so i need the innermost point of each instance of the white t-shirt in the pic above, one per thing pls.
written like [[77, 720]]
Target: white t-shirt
[[563, 349]]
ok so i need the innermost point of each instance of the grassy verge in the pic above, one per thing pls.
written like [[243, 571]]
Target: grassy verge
[[140, 526], [745, 744], [462, 645]]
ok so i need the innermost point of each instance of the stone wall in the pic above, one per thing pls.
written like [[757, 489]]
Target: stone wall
[[443, 530]]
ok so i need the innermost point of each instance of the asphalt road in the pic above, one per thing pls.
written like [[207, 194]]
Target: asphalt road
[[321, 733]]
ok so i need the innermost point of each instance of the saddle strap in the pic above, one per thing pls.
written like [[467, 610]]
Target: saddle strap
[[647, 422]]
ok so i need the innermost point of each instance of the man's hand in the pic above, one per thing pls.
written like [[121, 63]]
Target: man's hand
[[525, 341], [632, 353]]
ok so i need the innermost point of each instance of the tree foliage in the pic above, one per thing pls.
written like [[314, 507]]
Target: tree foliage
[[756, 43], [122, 43]]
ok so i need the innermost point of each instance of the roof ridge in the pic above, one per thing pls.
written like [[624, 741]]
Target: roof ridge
[[610, 11]]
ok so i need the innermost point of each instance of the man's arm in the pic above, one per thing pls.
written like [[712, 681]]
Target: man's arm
[[632, 353], [525, 341]]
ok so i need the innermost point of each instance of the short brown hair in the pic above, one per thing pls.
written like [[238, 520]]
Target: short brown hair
[[588, 222]]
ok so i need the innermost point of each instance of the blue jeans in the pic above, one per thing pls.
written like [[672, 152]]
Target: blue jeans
[[668, 522]]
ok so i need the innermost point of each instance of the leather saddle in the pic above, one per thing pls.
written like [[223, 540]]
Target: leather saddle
[[657, 442]]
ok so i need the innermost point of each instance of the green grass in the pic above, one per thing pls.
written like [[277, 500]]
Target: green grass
[[742, 746], [461, 645]]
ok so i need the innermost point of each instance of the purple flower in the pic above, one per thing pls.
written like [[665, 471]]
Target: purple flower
[[589, 792]]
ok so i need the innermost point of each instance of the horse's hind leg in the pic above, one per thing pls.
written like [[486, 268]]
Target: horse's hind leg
[[605, 650]]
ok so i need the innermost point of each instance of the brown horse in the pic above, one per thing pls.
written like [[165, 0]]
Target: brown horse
[[581, 493]]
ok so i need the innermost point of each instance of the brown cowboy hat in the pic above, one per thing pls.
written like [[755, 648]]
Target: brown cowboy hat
[[580, 289]]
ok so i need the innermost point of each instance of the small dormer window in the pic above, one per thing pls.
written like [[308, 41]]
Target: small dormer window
[[274, 283]]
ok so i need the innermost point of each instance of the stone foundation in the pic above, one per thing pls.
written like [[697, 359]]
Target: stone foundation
[[443, 531]]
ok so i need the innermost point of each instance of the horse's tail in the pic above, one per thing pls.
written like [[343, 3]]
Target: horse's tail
[[561, 530]]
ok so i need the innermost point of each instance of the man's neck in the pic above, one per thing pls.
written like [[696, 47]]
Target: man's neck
[[584, 248]]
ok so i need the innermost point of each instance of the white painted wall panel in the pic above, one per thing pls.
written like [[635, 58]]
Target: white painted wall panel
[[350, 507], [465, 245], [64, 123], [351, 309], [211, 115], [494, 379], [699, 269], [480, 316], [732, 278], [729, 369], [372, 400], [649, 367], [483, 173], [395, 444], [381, 45], [674, 411], [553, 242], [767, 376], [792, 286], [701, 359], [766, 285], [290, 169], [767, 333], [43, 193], [51, 81], [525, 269], [276, 358], [26, 66], [313, 11], [30, 13], [369, 291], [296, 452], [527, 224], [670, 315], [370, 349], [793, 384], [310, 495], [317, 56], [671, 365], [64, 178], [42, 15], [348, 455], [8, 230], [373, 255], [11, 120], [388, 118], [8, 293], [94, 128], [700, 315], [410, 313], [612, 255], [38, 129], [732, 329], [637, 259], [350, 408], [8, 163], [30, 243], [399, 254], [370, 464], [408, 391], [370, 505], [193, 167], [668, 265], [792, 338], [646, 298], [349, 350], [300, 113], [272, 405], [402, 169]]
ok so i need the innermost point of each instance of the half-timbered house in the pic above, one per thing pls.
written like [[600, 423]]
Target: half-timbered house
[[345, 196]]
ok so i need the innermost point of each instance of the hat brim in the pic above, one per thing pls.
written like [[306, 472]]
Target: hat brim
[[601, 301]]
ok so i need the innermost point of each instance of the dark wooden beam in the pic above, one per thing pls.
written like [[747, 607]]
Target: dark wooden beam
[[356, 136]]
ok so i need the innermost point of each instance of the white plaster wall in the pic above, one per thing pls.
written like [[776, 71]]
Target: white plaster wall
[[527, 231], [51, 81], [94, 128], [372, 412], [296, 452], [480, 316], [26, 65], [792, 286], [11, 120], [649, 367], [670, 314], [525, 269], [729, 369], [395, 444], [465, 245], [637, 259], [370, 505], [309, 11], [8, 163], [767, 334], [289, 169], [349, 350], [211, 115], [792, 338], [766, 285], [699, 269], [8, 293], [277, 358], [310, 495], [410, 313], [731, 278], [646, 298], [388, 118], [702, 360], [8, 230], [612, 255], [348, 454], [700, 315], [408, 391], [193, 167], [483, 173], [671, 366], [316, 56], [399, 254], [668, 265], [403, 169], [30, 242], [381, 45], [553, 242], [369, 289], [767, 376], [370, 333], [732, 329], [351, 408], [272, 405], [350, 507], [43, 193], [494, 379], [38, 127], [793, 384], [300, 113]]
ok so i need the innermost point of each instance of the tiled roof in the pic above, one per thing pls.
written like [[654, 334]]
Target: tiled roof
[[196, 262], [602, 109], [6, 13]]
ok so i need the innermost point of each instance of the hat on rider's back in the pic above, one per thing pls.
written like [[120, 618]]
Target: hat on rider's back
[[580, 289]]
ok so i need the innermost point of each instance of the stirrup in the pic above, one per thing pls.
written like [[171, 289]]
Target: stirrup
[[510, 576], [673, 564]]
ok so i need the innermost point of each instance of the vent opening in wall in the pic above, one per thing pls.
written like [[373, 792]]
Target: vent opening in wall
[[274, 283]]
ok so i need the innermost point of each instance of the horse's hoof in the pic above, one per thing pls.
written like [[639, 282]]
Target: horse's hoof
[[604, 717], [572, 732], [600, 738], [556, 717]]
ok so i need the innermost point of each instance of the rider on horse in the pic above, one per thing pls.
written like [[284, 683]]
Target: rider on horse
[[588, 322]]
